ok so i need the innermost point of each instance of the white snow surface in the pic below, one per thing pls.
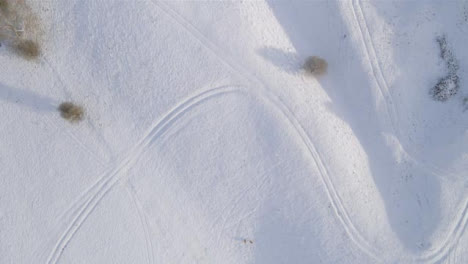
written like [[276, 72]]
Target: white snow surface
[[205, 142]]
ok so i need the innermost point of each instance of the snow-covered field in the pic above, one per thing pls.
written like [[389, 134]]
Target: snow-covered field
[[204, 141]]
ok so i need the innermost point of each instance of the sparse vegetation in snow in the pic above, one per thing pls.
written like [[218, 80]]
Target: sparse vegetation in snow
[[19, 28], [71, 112], [27, 49], [449, 85], [315, 66], [446, 88]]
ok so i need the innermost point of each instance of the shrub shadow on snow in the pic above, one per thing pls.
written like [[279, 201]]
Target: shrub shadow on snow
[[411, 197], [27, 99], [287, 61], [293, 63]]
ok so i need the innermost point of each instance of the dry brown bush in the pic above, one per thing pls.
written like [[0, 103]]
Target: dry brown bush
[[28, 49], [315, 66], [19, 28], [71, 112], [4, 5]]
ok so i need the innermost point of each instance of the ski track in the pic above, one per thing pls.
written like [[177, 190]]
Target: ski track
[[112, 177], [143, 220], [67, 131], [109, 179], [78, 142], [64, 15], [239, 197], [83, 198], [344, 218], [375, 65], [234, 206], [451, 241], [458, 230], [382, 85]]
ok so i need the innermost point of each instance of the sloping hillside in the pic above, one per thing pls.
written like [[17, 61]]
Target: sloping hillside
[[203, 139]]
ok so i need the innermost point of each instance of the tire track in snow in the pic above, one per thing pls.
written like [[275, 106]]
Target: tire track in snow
[[459, 228], [340, 211]]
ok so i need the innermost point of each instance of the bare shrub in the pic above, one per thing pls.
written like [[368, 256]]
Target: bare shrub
[[71, 112], [11, 21], [28, 49], [19, 28], [4, 6], [315, 66]]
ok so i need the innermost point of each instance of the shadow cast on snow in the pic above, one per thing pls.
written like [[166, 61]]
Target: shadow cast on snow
[[411, 197], [28, 99]]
